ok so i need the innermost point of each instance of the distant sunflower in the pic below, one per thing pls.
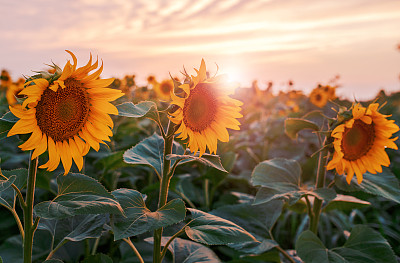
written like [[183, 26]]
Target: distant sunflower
[[5, 79], [67, 114], [13, 90], [361, 141], [331, 91], [151, 79], [205, 112], [163, 89], [318, 97]]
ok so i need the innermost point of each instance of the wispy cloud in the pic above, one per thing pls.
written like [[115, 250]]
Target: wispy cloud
[[268, 40]]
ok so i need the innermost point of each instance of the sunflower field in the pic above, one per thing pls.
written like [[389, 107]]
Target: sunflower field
[[194, 169]]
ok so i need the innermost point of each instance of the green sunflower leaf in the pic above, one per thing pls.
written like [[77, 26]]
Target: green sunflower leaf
[[75, 228], [294, 125], [345, 202], [363, 245], [206, 159], [7, 121], [139, 219], [213, 230], [256, 219], [78, 194], [146, 109], [384, 184], [7, 193], [187, 251], [280, 179], [277, 172], [150, 152]]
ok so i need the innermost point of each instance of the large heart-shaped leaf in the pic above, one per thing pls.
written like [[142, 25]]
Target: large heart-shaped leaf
[[256, 219], [384, 184], [139, 219], [278, 172], [7, 193], [363, 245], [213, 230], [74, 228], [280, 179], [150, 152], [78, 194]]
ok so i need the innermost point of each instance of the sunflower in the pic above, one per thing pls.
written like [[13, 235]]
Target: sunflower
[[13, 90], [5, 79], [360, 142], [205, 112], [319, 97], [331, 91], [67, 114], [163, 89], [151, 79]]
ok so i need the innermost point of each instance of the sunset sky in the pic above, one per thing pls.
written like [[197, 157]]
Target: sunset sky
[[268, 40]]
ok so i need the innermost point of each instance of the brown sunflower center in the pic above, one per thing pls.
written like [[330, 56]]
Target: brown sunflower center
[[62, 114], [358, 140], [166, 88], [200, 107], [318, 97]]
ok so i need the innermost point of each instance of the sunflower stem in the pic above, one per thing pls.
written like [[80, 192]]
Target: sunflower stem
[[320, 183], [164, 185], [129, 242], [29, 226], [57, 248], [206, 193]]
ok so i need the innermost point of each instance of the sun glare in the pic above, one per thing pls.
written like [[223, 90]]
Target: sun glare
[[233, 75]]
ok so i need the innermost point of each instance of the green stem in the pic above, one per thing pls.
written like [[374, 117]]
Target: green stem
[[164, 185], [320, 182], [87, 248], [164, 251], [95, 245], [309, 209], [285, 254], [29, 227], [19, 223], [57, 248], [206, 193], [127, 240]]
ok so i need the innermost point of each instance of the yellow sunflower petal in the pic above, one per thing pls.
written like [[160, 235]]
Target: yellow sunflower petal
[[41, 147], [22, 126], [33, 141], [105, 94], [22, 113], [66, 157], [99, 83], [76, 153], [104, 106]]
